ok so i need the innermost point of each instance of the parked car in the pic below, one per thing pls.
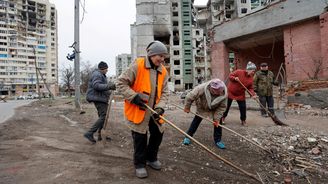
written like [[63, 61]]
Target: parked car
[[21, 97]]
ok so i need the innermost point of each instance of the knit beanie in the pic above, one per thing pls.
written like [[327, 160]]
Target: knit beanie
[[156, 47], [250, 66], [216, 84], [102, 65]]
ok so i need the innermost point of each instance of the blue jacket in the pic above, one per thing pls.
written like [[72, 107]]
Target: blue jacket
[[98, 88]]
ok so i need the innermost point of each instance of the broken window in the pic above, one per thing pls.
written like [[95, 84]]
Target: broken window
[[176, 72]]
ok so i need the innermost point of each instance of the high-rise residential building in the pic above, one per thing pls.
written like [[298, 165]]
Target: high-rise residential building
[[122, 62], [171, 22], [28, 40]]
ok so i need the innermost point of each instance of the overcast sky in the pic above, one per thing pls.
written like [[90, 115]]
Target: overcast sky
[[104, 32]]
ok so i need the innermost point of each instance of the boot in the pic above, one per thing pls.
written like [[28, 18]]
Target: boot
[[90, 137], [243, 122], [157, 165], [141, 172]]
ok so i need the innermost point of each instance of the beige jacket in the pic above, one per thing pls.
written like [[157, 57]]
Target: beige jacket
[[207, 105], [127, 78]]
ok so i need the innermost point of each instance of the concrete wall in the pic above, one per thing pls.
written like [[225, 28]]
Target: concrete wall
[[219, 61], [279, 14], [302, 44], [324, 43]]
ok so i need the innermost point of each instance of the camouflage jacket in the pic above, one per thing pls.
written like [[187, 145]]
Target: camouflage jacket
[[263, 83]]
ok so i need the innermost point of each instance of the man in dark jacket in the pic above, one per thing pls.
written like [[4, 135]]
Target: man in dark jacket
[[263, 81], [98, 93]]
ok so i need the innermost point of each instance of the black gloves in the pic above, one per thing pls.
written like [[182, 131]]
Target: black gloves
[[111, 86], [137, 100], [160, 111]]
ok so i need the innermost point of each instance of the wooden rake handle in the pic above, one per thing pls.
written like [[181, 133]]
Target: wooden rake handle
[[230, 130], [204, 147]]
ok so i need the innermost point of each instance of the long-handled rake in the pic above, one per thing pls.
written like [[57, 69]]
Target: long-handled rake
[[205, 148], [273, 117], [230, 130]]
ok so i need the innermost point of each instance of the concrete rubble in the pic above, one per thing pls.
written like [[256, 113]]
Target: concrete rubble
[[301, 152]]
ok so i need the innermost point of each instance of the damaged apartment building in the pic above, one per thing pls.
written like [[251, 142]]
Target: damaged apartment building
[[28, 40], [290, 35], [172, 22]]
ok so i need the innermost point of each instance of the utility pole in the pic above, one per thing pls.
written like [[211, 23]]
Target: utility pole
[[36, 73], [77, 54]]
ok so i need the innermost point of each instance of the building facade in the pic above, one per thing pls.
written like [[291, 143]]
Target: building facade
[[28, 41], [291, 36], [172, 22], [122, 62]]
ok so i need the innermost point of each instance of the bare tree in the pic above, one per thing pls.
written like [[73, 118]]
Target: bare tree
[[68, 78], [86, 72]]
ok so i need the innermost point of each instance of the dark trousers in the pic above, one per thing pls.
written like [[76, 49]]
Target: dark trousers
[[242, 108], [264, 100], [144, 152], [194, 125], [102, 110]]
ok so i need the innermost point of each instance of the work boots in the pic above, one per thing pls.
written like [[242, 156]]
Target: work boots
[[141, 172], [157, 165], [90, 137]]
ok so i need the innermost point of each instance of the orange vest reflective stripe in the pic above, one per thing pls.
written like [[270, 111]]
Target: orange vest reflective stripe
[[142, 85]]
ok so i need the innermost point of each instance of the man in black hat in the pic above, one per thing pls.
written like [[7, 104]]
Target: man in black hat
[[98, 93], [263, 86]]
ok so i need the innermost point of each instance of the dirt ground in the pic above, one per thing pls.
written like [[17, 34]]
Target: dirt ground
[[44, 143]]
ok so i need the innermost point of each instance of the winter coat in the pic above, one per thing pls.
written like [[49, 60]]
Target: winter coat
[[126, 80], [263, 82], [235, 90], [207, 104], [98, 88]]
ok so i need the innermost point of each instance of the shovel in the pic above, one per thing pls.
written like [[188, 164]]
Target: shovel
[[104, 131]]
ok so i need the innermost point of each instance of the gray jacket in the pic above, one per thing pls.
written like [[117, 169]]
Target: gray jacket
[[98, 87], [207, 105]]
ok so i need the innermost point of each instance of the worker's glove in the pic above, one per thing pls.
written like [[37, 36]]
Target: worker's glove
[[111, 86], [216, 123], [137, 100], [160, 111], [186, 109]]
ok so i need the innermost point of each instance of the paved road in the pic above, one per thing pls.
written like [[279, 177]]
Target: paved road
[[8, 109]]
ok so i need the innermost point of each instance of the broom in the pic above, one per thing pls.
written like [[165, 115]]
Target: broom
[[272, 116]]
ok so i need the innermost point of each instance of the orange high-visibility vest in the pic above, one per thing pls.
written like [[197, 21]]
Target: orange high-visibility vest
[[142, 85]]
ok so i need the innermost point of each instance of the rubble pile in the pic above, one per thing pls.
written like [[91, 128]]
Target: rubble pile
[[302, 109], [300, 152], [306, 85]]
